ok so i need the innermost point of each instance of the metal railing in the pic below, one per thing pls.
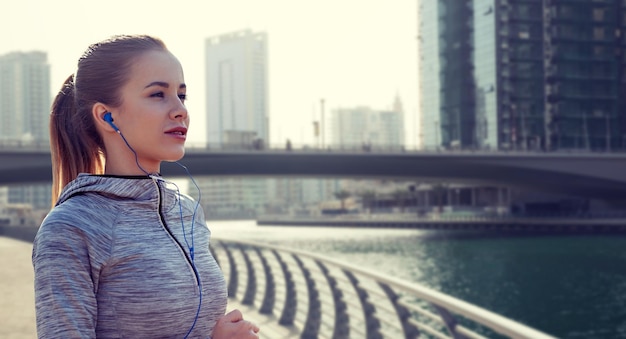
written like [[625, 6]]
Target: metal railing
[[191, 146], [320, 297]]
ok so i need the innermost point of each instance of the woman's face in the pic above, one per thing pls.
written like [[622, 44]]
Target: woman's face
[[153, 117]]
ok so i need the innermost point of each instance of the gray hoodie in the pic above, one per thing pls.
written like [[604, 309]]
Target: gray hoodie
[[111, 261]]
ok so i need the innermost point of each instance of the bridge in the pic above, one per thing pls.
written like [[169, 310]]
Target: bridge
[[593, 175]]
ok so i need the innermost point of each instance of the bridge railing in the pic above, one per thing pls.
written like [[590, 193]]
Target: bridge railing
[[24, 145], [191, 146], [320, 297]]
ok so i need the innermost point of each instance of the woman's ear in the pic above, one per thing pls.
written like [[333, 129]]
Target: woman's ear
[[100, 112]]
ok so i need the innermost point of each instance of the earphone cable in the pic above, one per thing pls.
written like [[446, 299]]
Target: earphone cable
[[182, 221]]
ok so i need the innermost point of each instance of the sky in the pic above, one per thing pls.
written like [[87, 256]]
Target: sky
[[347, 52]]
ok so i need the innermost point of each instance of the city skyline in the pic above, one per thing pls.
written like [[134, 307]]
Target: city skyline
[[348, 54]]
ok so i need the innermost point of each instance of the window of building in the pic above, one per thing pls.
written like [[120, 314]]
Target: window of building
[[598, 14], [566, 12], [569, 31], [600, 51], [522, 10], [599, 33]]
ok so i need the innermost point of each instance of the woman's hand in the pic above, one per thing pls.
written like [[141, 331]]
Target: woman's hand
[[232, 326]]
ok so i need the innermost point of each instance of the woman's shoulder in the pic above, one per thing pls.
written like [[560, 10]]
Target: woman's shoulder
[[79, 215], [69, 227]]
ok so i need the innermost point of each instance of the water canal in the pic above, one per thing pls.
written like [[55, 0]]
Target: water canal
[[570, 286]]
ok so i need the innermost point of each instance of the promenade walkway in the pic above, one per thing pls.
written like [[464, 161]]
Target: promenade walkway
[[17, 301]]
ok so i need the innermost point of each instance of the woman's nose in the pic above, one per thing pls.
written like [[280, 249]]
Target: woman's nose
[[180, 111]]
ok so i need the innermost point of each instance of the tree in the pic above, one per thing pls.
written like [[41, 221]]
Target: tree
[[342, 195]]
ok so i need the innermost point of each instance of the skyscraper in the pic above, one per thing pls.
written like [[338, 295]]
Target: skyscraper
[[237, 114], [24, 96], [518, 74], [24, 111], [237, 91]]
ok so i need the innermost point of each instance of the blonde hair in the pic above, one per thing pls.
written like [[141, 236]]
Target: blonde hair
[[75, 144]]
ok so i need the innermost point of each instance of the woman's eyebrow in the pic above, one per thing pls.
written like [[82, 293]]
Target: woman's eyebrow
[[158, 83], [164, 84]]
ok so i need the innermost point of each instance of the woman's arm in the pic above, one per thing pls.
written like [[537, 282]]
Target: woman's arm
[[65, 298]]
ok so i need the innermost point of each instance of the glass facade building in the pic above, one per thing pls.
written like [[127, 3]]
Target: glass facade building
[[430, 65], [523, 74]]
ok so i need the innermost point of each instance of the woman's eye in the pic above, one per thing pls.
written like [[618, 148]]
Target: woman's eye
[[182, 97], [157, 95]]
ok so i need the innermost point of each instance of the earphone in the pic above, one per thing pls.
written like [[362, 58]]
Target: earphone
[[109, 119]]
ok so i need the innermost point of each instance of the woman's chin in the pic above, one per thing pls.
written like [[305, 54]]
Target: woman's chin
[[174, 155]]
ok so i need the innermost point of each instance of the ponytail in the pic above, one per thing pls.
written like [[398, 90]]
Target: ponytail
[[73, 151]]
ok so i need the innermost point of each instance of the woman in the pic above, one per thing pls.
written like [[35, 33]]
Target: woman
[[123, 254]]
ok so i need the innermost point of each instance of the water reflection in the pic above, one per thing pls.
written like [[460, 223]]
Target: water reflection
[[568, 286]]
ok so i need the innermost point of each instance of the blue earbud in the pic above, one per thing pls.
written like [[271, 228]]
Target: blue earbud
[[108, 118]]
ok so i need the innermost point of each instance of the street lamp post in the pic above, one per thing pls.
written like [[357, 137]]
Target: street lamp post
[[322, 125]]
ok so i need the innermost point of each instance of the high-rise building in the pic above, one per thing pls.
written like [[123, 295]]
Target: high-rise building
[[237, 85], [24, 96], [366, 127], [237, 115], [519, 74], [24, 110]]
